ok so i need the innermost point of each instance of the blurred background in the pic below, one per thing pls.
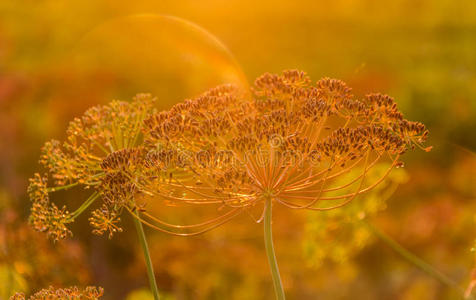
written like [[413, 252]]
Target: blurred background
[[58, 57]]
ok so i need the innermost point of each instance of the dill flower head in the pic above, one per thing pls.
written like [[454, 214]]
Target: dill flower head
[[46, 216], [98, 155], [289, 141], [102, 130], [72, 293]]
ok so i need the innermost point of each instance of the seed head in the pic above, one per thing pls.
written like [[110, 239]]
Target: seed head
[[72, 293], [100, 153], [46, 216], [103, 220], [290, 140]]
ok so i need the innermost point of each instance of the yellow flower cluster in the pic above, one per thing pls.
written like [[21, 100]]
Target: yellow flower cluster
[[72, 293]]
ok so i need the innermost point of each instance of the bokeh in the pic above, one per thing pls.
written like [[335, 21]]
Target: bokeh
[[58, 58]]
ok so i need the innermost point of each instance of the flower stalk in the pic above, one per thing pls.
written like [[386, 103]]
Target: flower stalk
[[148, 260], [285, 141], [415, 260], [268, 242], [84, 206]]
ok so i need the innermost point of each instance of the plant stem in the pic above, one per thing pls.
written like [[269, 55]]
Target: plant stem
[[64, 187], [268, 242], [415, 260], [83, 206], [148, 261]]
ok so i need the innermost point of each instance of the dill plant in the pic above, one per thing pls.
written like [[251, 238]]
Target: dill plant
[[286, 142]]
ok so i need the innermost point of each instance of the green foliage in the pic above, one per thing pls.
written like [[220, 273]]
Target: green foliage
[[11, 281], [145, 294], [339, 234]]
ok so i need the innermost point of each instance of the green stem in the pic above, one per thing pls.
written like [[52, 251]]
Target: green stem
[[64, 187], [83, 206], [148, 261], [268, 242], [10, 290], [415, 260]]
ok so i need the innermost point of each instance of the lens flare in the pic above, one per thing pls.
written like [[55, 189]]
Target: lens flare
[[166, 56]]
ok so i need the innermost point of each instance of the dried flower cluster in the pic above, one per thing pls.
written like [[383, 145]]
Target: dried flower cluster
[[45, 215], [93, 141], [72, 293], [288, 140]]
